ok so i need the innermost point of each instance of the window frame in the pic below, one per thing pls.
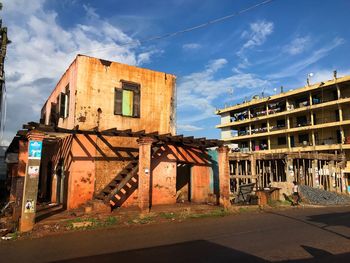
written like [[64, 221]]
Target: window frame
[[136, 102]]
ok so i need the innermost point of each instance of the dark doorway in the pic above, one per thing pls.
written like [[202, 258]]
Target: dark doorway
[[183, 182], [48, 191], [60, 182]]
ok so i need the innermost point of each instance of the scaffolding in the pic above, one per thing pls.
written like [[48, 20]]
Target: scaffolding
[[317, 170]]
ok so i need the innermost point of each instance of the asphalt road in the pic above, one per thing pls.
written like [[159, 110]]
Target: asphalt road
[[294, 235]]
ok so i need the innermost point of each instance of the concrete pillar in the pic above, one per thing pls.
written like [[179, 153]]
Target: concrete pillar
[[288, 141], [340, 113], [224, 176], [313, 141], [338, 91], [18, 180], [290, 170], [310, 98], [253, 168], [332, 177], [30, 190], [342, 135], [144, 189], [315, 174]]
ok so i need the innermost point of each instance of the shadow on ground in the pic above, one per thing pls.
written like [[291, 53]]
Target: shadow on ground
[[199, 251], [332, 219]]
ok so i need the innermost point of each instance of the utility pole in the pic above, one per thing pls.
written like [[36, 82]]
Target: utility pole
[[4, 41]]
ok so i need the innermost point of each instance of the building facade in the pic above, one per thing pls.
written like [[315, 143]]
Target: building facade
[[314, 118], [99, 94], [107, 133]]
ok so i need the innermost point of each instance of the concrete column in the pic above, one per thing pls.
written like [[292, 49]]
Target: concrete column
[[144, 189], [342, 135], [253, 168], [224, 176], [288, 141], [290, 170], [340, 113], [332, 179], [30, 190], [315, 175], [313, 138], [268, 143], [338, 91], [310, 99], [18, 180]]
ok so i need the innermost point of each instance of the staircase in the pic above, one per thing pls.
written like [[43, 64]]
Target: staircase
[[122, 186]]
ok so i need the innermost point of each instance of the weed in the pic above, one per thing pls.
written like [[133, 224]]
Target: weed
[[213, 213], [167, 215], [93, 222]]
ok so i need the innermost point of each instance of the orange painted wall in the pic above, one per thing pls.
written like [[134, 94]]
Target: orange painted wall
[[97, 80], [200, 183], [164, 183], [92, 82], [69, 77]]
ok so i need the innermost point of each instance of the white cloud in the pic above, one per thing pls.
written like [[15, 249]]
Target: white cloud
[[310, 60], [297, 45], [41, 50], [191, 46], [199, 92], [327, 74], [188, 128], [257, 34]]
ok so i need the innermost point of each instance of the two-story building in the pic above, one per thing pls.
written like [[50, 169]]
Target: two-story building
[[107, 132]]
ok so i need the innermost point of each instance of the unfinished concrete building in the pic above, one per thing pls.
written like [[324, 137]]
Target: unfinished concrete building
[[107, 133], [309, 125]]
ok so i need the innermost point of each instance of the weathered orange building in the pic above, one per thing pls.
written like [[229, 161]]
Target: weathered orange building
[[108, 133]]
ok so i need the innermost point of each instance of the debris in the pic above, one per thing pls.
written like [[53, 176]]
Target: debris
[[82, 224], [6, 237], [6, 207], [322, 197]]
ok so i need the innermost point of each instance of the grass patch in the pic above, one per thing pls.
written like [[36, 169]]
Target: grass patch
[[276, 203], [142, 219], [168, 215], [92, 223], [213, 213]]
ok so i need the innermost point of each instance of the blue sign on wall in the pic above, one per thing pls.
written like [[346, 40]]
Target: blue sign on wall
[[35, 148]]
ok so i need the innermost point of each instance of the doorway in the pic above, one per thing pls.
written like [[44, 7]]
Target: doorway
[[183, 182]]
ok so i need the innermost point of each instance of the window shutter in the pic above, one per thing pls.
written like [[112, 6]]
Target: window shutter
[[62, 104], [118, 98], [67, 104], [136, 106], [53, 114]]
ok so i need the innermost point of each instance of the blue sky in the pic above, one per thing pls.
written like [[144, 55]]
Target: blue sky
[[275, 44]]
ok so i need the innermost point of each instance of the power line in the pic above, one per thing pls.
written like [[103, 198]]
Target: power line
[[186, 30]]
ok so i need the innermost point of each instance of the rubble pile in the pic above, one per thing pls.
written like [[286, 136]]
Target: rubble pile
[[321, 197]]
